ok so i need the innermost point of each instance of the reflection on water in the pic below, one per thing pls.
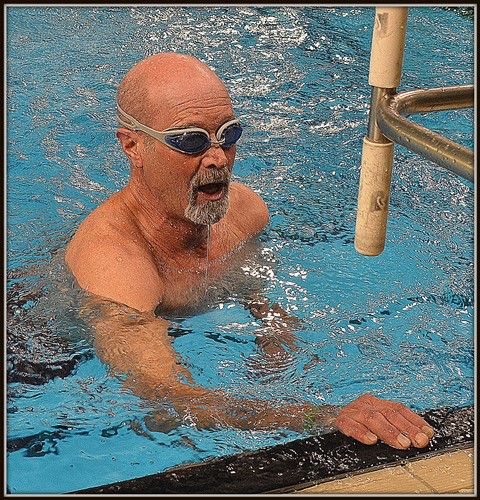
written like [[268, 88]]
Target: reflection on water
[[399, 325]]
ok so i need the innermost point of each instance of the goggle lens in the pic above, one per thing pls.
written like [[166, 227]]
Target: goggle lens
[[231, 135], [189, 142]]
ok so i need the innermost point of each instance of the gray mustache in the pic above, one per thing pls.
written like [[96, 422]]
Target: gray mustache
[[210, 176]]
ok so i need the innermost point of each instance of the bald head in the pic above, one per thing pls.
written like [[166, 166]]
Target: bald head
[[161, 81]]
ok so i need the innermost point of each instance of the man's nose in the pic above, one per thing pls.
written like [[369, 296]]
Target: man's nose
[[214, 157]]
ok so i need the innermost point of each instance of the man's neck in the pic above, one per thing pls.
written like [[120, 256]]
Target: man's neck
[[168, 235]]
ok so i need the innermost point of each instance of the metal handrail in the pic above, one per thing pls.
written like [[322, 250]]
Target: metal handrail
[[388, 125], [390, 118]]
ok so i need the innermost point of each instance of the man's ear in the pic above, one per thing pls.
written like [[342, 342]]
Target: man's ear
[[129, 141]]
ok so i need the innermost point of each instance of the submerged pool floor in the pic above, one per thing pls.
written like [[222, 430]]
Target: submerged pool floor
[[302, 463]]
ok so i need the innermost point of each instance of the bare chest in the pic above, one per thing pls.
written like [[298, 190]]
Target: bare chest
[[191, 289]]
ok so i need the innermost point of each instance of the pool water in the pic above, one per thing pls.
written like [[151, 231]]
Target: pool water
[[399, 325]]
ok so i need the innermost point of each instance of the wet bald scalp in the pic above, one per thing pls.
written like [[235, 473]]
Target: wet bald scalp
[[154, 80]]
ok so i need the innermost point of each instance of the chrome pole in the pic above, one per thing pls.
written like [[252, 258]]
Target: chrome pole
[[378, 94]]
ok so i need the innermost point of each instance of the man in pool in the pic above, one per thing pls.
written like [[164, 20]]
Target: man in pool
[[179, 133]]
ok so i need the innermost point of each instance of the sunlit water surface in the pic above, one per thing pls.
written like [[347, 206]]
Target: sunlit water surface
[[399, 325]]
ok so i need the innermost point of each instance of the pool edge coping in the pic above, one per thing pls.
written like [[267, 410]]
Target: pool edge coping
[[266, 468]]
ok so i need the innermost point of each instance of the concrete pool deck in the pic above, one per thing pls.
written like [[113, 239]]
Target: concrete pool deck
[[451, 472], [317, 464]]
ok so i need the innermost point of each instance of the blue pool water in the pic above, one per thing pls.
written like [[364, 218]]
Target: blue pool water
[[399, 325]]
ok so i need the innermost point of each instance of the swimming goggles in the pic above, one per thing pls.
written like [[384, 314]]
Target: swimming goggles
[[187, 140]]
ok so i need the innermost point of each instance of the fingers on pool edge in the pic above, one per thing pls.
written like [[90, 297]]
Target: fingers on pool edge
[[416, 420], [413, 432], [376, 421], [356, 430]]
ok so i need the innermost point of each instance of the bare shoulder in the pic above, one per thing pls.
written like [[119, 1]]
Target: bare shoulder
[[248, 210], [108, 262]]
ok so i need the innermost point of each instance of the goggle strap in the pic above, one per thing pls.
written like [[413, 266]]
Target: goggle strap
[[136, 125]]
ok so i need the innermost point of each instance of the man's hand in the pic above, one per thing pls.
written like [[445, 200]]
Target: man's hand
[[368, 419], [277, 331]]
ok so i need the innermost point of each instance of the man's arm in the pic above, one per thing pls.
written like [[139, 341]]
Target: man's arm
[[136, 344]]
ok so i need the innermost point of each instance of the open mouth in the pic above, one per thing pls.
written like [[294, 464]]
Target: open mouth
[[213, 190]]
